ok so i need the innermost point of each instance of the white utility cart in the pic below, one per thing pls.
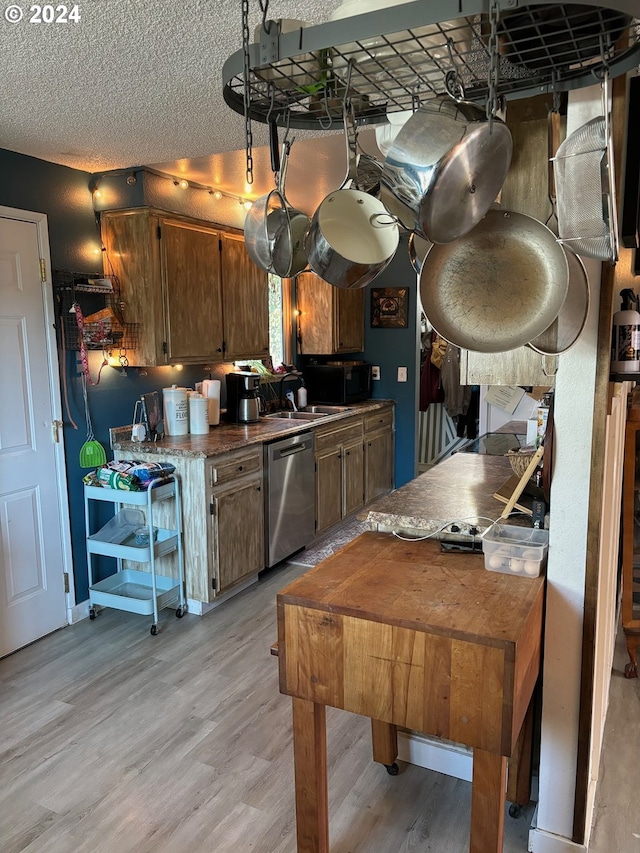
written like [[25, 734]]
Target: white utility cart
[[143, 592]]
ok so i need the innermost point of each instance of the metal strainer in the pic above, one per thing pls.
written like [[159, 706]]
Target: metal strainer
[[585, 188]]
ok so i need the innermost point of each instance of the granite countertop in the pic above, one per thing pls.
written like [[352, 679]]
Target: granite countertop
[[460, 488], [227, 436]]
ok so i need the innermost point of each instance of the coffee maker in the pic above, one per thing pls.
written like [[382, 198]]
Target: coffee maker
[[244, 402]]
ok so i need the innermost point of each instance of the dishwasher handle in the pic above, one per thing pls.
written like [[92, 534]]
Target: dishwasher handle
[[293, 448]]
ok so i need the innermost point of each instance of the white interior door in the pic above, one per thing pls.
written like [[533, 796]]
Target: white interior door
[[32, 597]]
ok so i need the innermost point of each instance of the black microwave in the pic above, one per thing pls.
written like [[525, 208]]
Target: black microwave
[[338, 382]]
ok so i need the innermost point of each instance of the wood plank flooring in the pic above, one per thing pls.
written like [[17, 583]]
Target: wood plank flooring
[[114, 741]]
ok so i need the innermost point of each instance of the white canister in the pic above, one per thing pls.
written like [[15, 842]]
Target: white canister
[[176, 413], [198, 414], [211, 390]]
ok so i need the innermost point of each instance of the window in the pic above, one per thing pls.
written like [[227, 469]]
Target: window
[[280, 348]]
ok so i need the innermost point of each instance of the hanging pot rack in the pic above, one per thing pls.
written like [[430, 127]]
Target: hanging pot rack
[[393, 57]]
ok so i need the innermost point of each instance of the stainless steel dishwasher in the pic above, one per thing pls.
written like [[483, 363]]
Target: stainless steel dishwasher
[[290, 493]]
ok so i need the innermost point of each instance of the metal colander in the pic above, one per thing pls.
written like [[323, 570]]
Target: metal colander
[[586, 210]]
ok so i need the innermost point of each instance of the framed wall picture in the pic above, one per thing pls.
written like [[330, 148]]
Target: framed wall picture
[[389, 307]]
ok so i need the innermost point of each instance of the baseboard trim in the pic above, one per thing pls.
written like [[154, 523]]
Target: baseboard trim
[[450, 759], [78, 612], [546, 842]]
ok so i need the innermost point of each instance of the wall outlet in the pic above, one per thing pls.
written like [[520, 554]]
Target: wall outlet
[[375, 372], [402, 374]]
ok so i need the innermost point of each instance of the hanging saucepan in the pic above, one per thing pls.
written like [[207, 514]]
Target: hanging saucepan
[[445, 168], [498, 287], [352, 237], [273, 230]]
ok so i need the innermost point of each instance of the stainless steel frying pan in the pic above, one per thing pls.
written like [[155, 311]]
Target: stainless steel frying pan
[[498, 287]]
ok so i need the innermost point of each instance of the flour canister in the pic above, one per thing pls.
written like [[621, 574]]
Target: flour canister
[[198, 414], [176, 412], [211, 390]]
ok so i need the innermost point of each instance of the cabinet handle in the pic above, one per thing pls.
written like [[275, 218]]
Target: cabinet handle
[[258, 488], [239, 468], [219, 349], [339, 455], [348, 453], [369, 444]]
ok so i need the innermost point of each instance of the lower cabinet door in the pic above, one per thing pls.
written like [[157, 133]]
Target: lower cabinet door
[[328, 488], [238, 535], [378, 452], [353, 471]]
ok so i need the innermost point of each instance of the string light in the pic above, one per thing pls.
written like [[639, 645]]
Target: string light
[[183, 183]]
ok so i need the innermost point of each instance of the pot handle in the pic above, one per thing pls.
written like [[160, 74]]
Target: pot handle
[[377, 220], [351, 139]]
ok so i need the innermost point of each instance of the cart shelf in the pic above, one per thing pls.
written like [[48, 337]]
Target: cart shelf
[[133, 589]]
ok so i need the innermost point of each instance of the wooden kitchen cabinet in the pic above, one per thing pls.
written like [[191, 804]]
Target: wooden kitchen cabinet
[[236, 518], [378, 454], [245, 300], [331, 319], [189, 287], [339, 456], [222, 519]]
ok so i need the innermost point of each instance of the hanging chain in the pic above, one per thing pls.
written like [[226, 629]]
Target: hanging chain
[[248, 136], [494, 64]]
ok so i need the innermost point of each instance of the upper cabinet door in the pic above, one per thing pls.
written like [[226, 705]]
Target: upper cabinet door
[[191, 290], [245, 300], [331, 319], [349, 329]]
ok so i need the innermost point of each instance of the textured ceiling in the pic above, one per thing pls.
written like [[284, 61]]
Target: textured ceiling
[[135, 82]]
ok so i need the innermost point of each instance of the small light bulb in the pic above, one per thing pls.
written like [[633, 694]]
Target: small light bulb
[[217, 195], [97, 194], [184, 184], [178, 366], [247, 205]]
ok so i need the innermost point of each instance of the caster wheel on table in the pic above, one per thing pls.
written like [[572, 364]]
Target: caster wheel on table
[[154, 630], [392, 769], [92, 613], [515, 810], [180, 612]]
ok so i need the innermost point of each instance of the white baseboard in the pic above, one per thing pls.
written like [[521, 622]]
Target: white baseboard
[[546, 842], [451, 759], [78, 612]]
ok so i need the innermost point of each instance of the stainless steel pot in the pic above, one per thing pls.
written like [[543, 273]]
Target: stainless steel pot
[[445, 168], [273, 230], [498, 287], [352, 237]]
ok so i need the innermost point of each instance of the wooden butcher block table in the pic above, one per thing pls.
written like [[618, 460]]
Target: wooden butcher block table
[[409, 636]]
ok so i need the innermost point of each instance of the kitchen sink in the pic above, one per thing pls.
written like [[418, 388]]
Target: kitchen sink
[[327, 410], [298, 416]]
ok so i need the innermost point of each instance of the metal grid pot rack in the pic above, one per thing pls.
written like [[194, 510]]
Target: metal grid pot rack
[[390, 59]]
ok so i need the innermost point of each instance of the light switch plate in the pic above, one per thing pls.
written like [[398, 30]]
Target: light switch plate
[[402, 374], [375, 371]]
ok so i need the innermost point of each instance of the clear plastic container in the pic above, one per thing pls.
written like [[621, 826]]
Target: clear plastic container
[[515, 550], [123, 525]]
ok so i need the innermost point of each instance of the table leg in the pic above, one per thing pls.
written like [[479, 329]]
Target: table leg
[[310, 763], [519, 776], [487, 802], [384, 738]]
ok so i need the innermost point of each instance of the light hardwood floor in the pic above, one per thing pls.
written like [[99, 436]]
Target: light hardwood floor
[[114, 741]]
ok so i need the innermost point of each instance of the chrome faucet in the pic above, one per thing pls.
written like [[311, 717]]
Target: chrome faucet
[[282, 378]]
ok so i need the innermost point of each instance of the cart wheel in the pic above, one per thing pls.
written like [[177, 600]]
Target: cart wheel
[[392, 769], [180, 612], [154, 630], [515, 810], [92, 613]]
